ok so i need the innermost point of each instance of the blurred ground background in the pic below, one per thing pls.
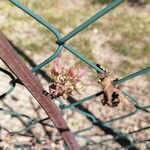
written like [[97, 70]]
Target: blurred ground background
[[120, 42]]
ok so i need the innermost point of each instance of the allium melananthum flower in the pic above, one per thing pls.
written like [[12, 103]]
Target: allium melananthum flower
[[65, 81]]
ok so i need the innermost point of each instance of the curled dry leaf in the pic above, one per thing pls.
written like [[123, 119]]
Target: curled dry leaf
[[112, 94]]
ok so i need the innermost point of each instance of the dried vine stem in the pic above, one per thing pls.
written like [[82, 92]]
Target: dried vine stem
[[14, 62]]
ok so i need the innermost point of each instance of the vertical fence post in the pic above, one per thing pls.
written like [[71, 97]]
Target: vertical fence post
[[14, 62]]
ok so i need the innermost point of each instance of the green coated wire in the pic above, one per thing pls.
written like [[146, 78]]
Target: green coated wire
[[123, 116], [120, 134], [138, 109], [10, 90], [47, 25], [85, 114], [132, 98], [63, 107], [12, 86], [13, 113], [44, 63], [37, 17], [83, 130], [51, 28], [131, 76], [83, 58], [31, 124], [91, 20]]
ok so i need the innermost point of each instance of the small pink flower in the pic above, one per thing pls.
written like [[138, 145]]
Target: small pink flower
[[72, 73], [76, 73], [65, 81], [56, 68], [81, 73]]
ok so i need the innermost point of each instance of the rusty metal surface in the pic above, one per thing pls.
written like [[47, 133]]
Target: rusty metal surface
[[30, 81]]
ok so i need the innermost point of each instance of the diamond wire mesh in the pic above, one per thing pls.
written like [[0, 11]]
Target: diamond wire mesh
[[76, 106]]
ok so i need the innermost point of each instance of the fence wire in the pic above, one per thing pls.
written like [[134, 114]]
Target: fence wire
[[76, 105]]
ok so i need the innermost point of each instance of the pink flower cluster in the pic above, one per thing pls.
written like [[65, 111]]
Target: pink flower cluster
[[65, 81]]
